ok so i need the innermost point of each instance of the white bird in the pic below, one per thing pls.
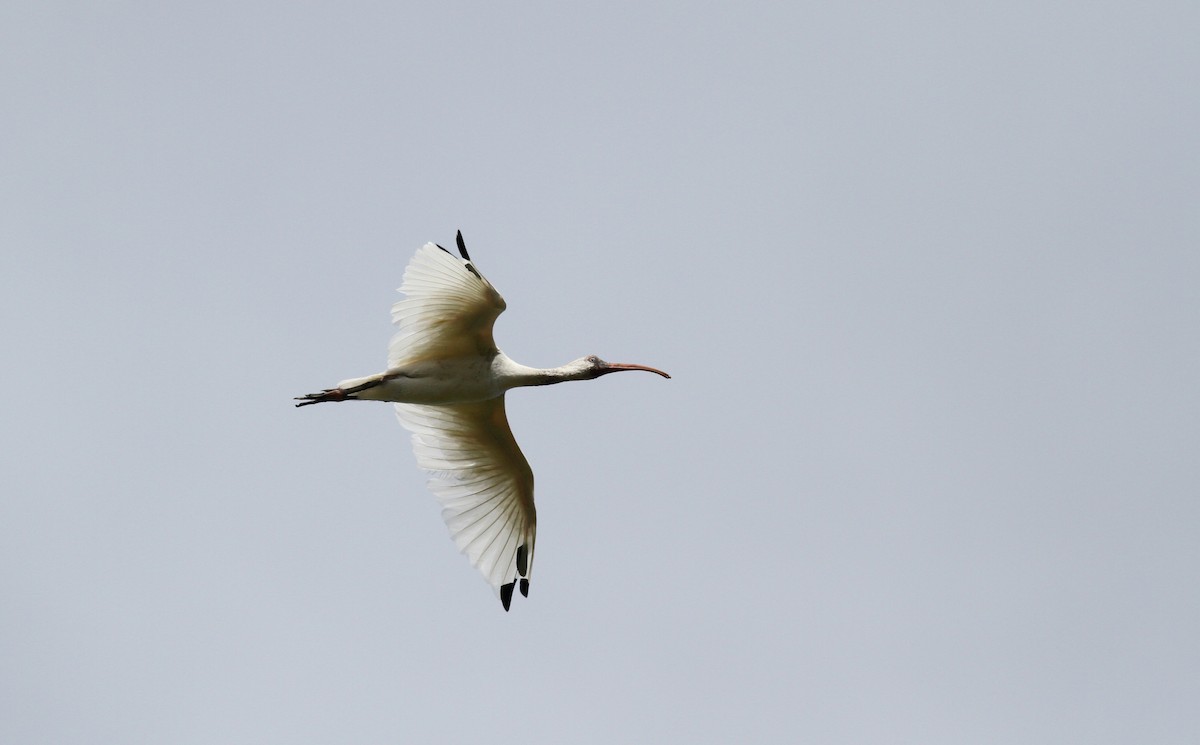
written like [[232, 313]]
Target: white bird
[[448, 379]]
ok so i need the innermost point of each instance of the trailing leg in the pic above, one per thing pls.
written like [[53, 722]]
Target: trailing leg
[[346, 392]]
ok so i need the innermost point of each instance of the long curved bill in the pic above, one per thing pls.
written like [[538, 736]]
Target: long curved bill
[[619, 366]]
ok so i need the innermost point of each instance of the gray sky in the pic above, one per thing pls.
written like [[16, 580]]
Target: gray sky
[[925, 276]]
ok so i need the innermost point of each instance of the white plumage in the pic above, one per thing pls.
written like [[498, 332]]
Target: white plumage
[[483, 481], [448, 380]]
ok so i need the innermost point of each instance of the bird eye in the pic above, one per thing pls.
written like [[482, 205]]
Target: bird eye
[[593, 359]]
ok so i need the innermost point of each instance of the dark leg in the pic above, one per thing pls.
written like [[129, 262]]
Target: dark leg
[[347, 394]]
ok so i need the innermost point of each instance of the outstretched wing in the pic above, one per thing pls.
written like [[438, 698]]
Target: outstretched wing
[[484, 483], [448, 310]]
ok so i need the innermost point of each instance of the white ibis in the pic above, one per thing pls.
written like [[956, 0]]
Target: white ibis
[[448, 379]]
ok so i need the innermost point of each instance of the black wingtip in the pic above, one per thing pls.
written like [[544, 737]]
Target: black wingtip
[[522, 560], [506, 592], [462, 246], [442, 247], [524, 587]]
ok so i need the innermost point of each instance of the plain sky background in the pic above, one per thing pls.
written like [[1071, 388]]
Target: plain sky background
[[926, 276]]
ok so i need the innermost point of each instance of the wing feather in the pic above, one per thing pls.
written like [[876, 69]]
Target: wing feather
[[447, 311], [485, 485]]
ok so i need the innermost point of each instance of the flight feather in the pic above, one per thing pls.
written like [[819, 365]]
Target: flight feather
[[483, 482], [448, 310]]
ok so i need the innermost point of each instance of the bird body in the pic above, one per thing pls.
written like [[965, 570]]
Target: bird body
[[455, 380], [447, 379]]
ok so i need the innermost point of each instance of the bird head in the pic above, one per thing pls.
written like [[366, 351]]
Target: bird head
[[592, 367]]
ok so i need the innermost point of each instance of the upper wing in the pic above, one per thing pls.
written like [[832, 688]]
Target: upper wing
[[448, 310], [484, 483]]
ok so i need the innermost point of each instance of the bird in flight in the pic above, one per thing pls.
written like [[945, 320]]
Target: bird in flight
[[447, 380]]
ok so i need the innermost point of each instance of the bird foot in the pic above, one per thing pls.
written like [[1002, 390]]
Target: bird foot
[[329, 394]]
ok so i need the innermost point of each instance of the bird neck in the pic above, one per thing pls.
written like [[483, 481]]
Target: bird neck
[[516, 375]]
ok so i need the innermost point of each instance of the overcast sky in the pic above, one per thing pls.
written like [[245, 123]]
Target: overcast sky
[[926, 276]]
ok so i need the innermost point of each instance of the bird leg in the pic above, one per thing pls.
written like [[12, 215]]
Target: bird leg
[[347, 394]]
